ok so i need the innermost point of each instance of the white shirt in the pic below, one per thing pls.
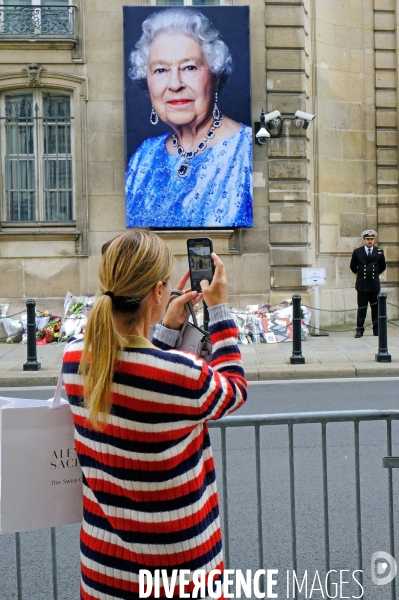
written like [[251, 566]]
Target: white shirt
[[367, 249]]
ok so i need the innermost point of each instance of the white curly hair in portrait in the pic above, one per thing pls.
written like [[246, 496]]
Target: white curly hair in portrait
[[190, 22]]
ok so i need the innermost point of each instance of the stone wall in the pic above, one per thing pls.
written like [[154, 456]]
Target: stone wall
[[46, 271], [315, 190], [355, 166], [288, 81]]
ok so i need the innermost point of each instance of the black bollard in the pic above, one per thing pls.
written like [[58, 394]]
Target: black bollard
[[206, 317], [31, 363], [383, 354], [296, 358]]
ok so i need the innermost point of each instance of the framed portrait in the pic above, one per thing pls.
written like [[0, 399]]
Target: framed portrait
[[270, 338], [188, 135]]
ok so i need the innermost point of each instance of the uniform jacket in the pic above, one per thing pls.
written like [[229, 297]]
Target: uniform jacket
[[367, 269]]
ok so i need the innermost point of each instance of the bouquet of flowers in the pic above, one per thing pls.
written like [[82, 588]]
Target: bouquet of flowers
[[249, 325], [76, 309], [49, 333]]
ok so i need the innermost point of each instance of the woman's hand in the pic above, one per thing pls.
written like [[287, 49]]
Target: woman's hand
[[176, 312], [216, 292]]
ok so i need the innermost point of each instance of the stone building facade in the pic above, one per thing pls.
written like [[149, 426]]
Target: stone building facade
[[315, 190]]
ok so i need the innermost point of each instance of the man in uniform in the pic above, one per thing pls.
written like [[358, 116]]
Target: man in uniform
[[367, 263]]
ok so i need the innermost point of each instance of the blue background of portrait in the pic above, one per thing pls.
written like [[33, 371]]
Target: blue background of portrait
[[234, 99]]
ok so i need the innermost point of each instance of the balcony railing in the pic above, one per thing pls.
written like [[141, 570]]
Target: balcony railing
[[55, 22]]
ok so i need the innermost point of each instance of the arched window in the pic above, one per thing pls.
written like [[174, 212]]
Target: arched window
[[38, 165]]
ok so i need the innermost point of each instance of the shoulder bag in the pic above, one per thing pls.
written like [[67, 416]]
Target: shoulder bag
[[191, 337]]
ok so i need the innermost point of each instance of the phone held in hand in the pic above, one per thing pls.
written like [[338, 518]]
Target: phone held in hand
[[200, 261]]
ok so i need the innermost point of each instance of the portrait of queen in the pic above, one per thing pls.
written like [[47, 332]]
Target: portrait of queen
[[199, 173]]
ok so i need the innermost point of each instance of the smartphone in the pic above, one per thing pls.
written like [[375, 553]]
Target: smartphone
[[200, 261]]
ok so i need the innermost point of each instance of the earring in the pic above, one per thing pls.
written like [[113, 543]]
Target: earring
[[216, 113], [153, 117]]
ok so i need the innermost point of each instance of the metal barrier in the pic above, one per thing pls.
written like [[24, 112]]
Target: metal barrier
[[291, 420]]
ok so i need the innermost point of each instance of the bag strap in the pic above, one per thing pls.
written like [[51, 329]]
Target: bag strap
[[56, 403], [189, 308], [189, 312]]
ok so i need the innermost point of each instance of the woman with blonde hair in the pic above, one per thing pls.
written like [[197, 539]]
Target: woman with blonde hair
[[140, 410]]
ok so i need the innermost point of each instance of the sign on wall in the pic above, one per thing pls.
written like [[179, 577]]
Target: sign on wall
[[188, 135]]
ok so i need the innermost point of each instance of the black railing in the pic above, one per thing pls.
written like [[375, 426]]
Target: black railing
[[38, 21]]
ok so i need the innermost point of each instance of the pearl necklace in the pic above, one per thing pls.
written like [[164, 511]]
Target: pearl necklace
[[184, 167]]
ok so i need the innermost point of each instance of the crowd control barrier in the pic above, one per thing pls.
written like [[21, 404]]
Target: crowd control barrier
[[292, 421]]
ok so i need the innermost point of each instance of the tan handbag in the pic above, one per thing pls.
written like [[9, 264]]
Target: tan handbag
[[191, 337]]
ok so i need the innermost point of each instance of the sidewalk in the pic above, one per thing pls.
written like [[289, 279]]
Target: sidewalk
[[338, 355]]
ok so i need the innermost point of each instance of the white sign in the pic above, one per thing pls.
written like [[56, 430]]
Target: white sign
[[314, 276]]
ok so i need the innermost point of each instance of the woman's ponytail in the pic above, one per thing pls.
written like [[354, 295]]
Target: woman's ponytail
[[130, 267]]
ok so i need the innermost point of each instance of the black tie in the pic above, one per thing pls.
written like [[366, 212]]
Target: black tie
[[369, 251]]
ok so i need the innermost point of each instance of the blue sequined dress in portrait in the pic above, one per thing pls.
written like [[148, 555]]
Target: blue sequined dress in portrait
[[217, 191]]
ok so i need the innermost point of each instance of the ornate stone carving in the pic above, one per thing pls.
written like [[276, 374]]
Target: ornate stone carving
[[33, 71]]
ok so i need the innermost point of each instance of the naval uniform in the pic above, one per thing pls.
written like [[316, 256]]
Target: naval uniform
[[367, 268]]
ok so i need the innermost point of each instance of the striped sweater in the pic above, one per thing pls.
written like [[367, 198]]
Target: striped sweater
[[149, 489]]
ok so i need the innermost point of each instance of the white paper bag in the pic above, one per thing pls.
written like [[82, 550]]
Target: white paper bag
[[40, 476]]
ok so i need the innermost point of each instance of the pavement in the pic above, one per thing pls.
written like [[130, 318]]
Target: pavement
[[337, 355]]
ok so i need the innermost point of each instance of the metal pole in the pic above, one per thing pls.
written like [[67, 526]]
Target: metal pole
[[358, 503], [54, 563], [317, 306], [206, 317], [325, 503], [19, 569], [31, 362], [390, 506], [296, 358], [316, 332], [292, 496], [383, 354], [225, 501], [259, 504]]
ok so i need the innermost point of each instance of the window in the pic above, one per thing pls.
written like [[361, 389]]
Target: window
[[33, 18], [38, 158]]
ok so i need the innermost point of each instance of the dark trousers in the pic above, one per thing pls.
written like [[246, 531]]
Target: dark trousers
[[363, 299]]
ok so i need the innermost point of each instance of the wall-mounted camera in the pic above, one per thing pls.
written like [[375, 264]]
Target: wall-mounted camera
[[261, 133], [303, 118], [274, 120]]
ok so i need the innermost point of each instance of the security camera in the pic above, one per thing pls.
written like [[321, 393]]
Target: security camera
[[271, 116], [262, 136], [305, 116]]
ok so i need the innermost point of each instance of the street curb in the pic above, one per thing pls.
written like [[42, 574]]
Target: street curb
[[317, 372], [378, 369], [301, 372], [280, 373], [29, 379]]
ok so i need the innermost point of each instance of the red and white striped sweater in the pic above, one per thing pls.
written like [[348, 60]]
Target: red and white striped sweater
[[150, 498]]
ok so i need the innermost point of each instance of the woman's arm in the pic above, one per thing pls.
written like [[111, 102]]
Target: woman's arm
[[219, 388], [165, 338], [222, 387]]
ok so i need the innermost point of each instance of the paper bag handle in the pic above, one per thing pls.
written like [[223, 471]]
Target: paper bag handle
[[57, 394]]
